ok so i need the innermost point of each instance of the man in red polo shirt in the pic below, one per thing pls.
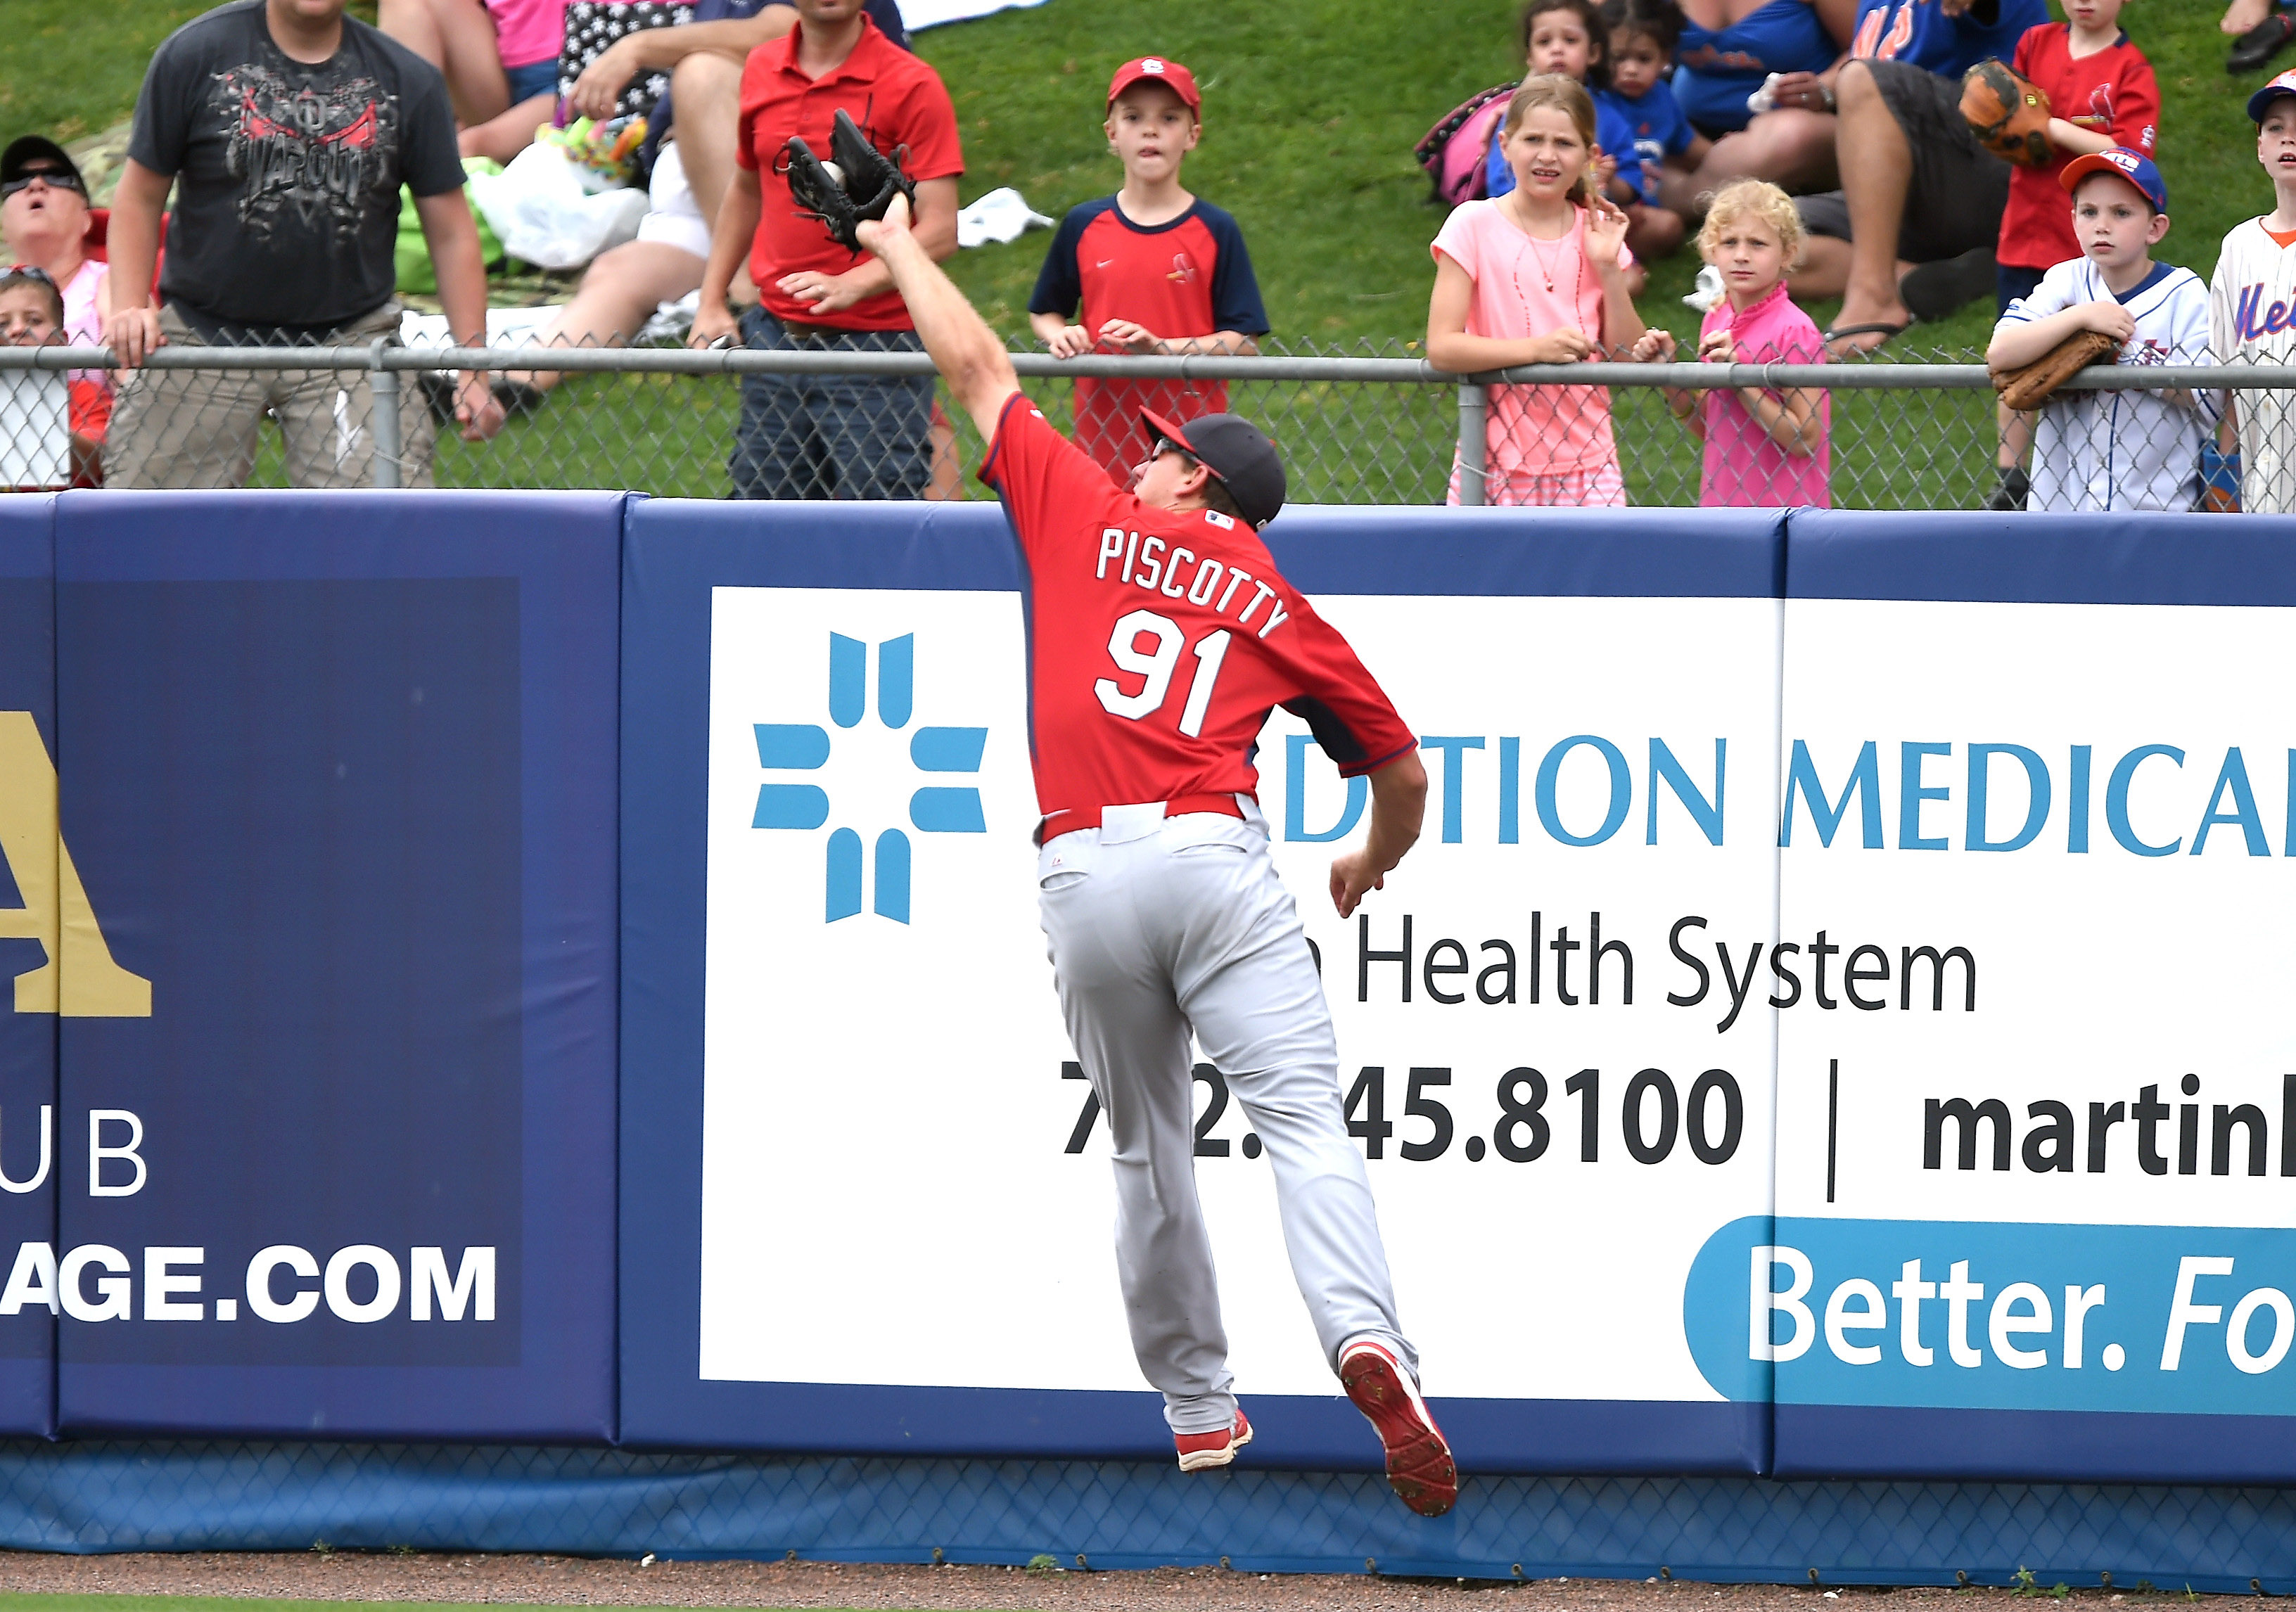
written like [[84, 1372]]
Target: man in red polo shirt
[[828, 436]]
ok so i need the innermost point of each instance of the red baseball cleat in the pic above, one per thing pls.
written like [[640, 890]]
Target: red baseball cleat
[[1419, 1465], [1215, 1449]]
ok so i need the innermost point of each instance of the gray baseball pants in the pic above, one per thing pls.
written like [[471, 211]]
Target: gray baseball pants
[[1160, 927]]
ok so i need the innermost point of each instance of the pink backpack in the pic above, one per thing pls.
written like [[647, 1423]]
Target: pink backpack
[[1455, 149]]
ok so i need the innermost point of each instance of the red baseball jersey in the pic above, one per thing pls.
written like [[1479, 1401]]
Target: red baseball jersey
[[1158, 642], [2111, 93], [1188, 277], [896, 99]]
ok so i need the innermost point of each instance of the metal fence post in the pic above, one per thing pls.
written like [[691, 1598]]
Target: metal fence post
[[382, 387], [1474, 406]]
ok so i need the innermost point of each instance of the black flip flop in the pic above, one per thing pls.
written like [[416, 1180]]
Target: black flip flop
[[1887, 330], [2261, 42], [1934, 291]]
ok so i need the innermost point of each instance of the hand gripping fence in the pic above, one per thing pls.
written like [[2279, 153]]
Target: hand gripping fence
[[1361, 426]]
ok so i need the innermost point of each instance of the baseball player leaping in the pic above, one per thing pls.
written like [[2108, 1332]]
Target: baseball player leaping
[[1160, 633]]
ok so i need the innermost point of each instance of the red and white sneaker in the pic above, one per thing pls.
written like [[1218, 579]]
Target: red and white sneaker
[[1214, 1449], [1419, 1465]]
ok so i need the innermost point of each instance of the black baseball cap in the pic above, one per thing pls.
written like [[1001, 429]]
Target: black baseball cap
[[28, 149], [1237, 451]]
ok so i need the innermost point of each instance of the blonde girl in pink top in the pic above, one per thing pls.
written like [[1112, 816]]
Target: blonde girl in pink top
[[1538, 276], [1764, 447]]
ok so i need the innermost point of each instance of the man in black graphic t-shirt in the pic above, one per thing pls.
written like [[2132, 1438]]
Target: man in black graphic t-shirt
[[287, 129]]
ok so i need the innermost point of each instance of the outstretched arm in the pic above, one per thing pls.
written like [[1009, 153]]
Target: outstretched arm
[[964, 349], [1399, 800]]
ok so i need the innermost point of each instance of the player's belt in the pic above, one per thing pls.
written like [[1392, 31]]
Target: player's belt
[[1070, 821]]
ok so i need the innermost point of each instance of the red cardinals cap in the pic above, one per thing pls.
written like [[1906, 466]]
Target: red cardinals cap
[[1182, 81], [2121, 163], [1235, 451], [2283, 84]]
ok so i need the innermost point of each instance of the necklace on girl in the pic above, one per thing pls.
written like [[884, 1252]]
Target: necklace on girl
[[1546, 263]]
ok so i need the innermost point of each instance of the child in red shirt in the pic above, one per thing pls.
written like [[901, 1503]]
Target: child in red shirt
[[2101, 94], [1157, 271], [32, 314]]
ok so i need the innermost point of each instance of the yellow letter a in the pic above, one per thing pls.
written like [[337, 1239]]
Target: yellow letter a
[[88, 985]]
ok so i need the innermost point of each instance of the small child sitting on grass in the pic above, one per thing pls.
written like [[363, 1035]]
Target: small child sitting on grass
[[1643, 37], [2100, 451], [1764, 446]]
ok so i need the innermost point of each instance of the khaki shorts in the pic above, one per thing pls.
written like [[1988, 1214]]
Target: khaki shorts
[[197, 428]]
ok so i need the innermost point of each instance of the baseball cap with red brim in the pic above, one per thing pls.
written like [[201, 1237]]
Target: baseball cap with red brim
[[1235, 451], [2135, 167], [1163, 70], [2282, 85]]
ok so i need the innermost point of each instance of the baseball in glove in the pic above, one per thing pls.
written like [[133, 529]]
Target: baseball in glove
[[2009, 114], [2029, 385], [857, 182]]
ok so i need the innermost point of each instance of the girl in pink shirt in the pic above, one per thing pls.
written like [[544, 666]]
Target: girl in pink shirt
[[1538, 276], [1764, 447]]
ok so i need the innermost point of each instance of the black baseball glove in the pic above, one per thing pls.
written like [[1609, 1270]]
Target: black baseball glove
[[861, 185]]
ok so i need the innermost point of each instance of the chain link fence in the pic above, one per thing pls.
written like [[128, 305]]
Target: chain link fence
[[820, 415]]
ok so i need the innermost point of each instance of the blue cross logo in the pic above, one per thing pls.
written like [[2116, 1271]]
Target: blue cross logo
[[803, 747]]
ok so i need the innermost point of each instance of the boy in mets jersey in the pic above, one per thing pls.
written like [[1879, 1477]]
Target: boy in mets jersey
[[1157, 271], [2252, 310], [2113, 450]]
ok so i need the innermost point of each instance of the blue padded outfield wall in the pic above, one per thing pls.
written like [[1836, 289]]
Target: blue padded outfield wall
[[527, 1031]]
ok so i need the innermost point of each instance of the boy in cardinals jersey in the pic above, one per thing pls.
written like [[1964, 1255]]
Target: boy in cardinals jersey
[[2101, 94], [2252, 311], [1160, 634], [1157, 271]]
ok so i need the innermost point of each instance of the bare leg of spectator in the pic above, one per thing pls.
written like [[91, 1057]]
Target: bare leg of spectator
[[947, 470], [504, 137], [2015, 445], [1825, 271], [1877, 167], [457, 38], [706, 88], [1653, 233], [2243, 15], [1792, 147], [616, 296]]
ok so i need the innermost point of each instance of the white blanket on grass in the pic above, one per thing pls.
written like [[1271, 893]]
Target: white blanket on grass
[[932, 13]]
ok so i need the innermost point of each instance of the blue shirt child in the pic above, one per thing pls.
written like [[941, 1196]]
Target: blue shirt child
[[1661, 129]]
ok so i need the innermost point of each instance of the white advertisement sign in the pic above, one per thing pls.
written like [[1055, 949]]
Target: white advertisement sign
[[2036, 1103], [1553, 1045]]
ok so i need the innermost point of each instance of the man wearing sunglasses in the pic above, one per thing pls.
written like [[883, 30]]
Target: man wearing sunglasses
[[43, 225]]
